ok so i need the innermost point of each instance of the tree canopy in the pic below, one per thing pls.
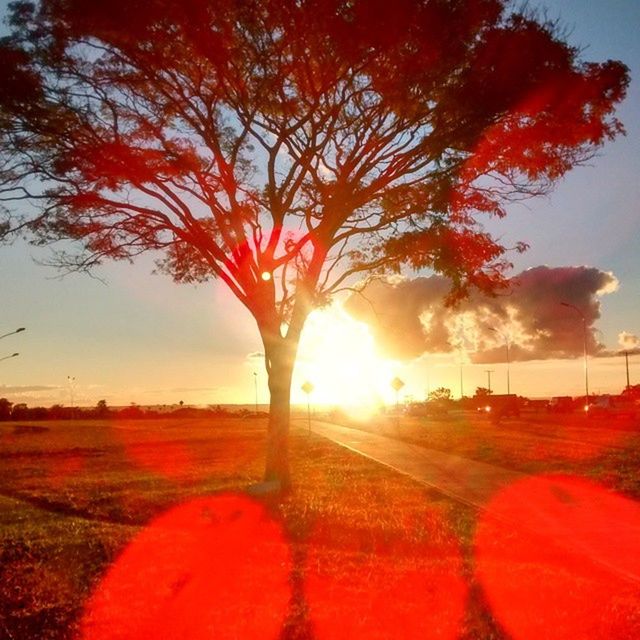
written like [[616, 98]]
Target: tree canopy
[[279, 137], [291, 147]]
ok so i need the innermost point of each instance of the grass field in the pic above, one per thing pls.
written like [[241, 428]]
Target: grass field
[[143, 529]]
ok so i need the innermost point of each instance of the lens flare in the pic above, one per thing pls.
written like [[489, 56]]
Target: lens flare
[[215, 567], [559, 558]]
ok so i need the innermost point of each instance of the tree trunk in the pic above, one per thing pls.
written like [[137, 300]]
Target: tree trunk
[[280, 357]]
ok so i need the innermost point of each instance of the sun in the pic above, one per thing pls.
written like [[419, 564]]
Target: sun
[[338, 356]]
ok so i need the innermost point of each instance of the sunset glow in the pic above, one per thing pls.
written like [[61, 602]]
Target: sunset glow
[[338, 356]]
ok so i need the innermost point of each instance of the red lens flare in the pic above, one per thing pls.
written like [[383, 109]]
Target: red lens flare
[[559, 558], [215, 567]]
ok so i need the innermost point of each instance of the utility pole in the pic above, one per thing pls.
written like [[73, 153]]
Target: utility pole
[[626, 360], [489, 372]]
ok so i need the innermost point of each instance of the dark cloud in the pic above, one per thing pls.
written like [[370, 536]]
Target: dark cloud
[[409, 318]]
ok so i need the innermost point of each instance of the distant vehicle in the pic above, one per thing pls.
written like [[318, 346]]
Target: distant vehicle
[[617, 406], [501, 406], [536, 404], [599, 405], [561, 404]]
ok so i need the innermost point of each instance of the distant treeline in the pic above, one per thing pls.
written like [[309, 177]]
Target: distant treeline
[[20, 411]]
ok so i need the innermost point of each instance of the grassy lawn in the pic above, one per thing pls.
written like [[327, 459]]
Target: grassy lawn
[[360, 538], [109, 525]]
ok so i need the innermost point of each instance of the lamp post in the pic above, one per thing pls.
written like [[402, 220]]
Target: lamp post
[[13, 355], [626, 362], [71, 382], [11, 333], [584, 337], [506, 342], [255, 386]]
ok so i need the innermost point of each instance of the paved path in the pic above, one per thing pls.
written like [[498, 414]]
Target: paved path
[[471, 482], [604, 530]]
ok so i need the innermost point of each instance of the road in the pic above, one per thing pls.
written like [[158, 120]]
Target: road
[[468, 481]]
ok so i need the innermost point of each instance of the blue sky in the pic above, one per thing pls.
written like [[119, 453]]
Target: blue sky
[[134, 336]]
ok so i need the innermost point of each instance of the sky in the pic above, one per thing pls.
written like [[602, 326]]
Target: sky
[[128, 335]]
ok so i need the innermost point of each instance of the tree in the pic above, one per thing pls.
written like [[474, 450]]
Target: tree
[[632, 391], [291, 147], [441, 394], [5, 409], [102, 409], [482, 392]]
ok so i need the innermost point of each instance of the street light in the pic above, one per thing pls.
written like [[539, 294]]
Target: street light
[[255, 384], [626, 361], [11, 333], [13, 355], [71, 380], [584, 336], [506, 341]]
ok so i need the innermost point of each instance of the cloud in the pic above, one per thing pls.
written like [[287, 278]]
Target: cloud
[[409, 318], [181, 390], [629, 342], [26, 389]]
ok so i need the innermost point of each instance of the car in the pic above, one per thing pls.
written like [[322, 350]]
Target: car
[[615, 406], [501, 406], [561, 404]]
